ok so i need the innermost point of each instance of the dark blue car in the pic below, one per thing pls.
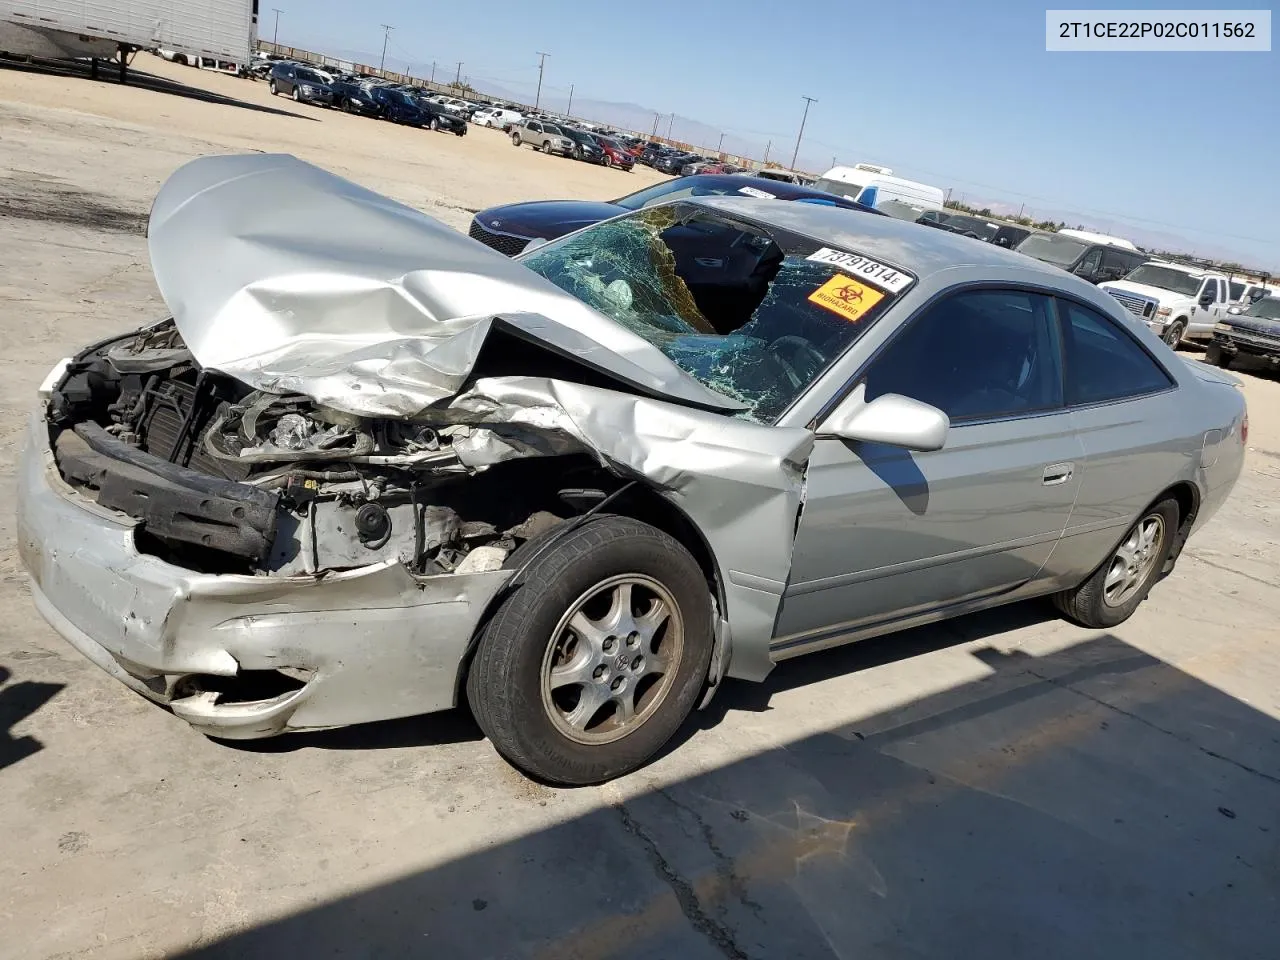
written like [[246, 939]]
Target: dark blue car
[[509, 228]]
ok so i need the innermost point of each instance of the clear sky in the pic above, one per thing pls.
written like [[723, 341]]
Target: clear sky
[[1183, 146]]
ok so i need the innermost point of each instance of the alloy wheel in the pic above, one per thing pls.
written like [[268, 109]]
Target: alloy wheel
[[1134, 560], [612, 659]]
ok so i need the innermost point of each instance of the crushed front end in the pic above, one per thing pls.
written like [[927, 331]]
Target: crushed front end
[[255, 561]]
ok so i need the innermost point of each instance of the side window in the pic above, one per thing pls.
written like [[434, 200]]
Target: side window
[[1210, 290], [975, 355], [1115, 264], [1236, 289], [1103, 362], [535, 127], [1089, 265]]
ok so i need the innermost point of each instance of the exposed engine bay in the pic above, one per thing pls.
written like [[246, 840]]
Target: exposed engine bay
[[226, 479]]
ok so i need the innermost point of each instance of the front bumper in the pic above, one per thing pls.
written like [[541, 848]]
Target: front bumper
[[1254, 345], [371, 643]]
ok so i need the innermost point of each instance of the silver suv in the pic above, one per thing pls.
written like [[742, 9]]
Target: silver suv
[[543, 136]]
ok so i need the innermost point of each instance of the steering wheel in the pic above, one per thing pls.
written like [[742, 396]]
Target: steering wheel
[[797, 346]]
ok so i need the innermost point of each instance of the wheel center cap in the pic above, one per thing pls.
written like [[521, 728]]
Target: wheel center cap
[[621, 661]]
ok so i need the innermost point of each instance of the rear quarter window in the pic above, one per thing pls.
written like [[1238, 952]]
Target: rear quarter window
[[1103, 363]]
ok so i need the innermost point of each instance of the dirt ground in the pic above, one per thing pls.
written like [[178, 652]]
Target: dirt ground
[[1003, 785]]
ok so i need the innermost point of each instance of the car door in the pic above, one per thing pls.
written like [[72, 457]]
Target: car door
[[1210, 306], [887, 533], [1120, 397]]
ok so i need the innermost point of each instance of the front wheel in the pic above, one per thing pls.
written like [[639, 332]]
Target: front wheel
[[1215, 355], [434, 123], [1173, 333], [515, 139], [546, 147], [1113, 593], [272, 87], [297, 97], [590, 666]]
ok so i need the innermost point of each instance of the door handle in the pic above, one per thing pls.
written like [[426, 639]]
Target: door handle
[[1057, 473]]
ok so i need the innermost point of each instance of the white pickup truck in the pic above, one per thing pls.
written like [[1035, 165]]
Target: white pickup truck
[[1176, 301]]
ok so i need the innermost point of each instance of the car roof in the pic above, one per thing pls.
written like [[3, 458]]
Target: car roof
[[910, 246]]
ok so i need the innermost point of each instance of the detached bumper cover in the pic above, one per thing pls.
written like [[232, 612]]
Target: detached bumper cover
[[375, 642]]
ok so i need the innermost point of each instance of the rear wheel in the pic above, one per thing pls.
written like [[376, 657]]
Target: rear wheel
[[1173, 333], [272, 87], [434, 123], [592, 664], [1113, 593], [297, 97], [515, 139]]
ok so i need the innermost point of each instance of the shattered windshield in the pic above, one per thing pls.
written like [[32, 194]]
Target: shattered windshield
[[1268, 307], [739, 307]]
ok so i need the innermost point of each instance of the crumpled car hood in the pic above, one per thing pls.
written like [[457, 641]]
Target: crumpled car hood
[[292, 279]]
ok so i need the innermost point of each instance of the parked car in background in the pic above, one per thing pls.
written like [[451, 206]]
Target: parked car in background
[[1090, 260], [673, 163], [398, 106], [302, 83], [696, 165], [1010, 235], [352, 94], [651, 153], [439, 117], [510, 228], [266, 524], [871, 185], [615, 154], [497, 117], [1174, 300], [542, 135], [978, 228], [585, 145], [1253, 331], [786, 176]]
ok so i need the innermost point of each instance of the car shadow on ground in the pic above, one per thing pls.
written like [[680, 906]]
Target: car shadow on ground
[[1094, 802], [17, 702], [107, 73]]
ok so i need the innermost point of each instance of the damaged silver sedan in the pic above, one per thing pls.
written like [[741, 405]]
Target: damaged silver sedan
[[391, 475]]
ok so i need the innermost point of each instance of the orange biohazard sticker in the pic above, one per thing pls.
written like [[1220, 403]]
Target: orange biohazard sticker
[[846, 296]]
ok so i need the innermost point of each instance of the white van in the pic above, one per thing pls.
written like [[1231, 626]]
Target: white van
[[870, 184], [1098, 238]]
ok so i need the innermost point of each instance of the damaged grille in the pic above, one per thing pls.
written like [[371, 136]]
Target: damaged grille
[[505, 243]]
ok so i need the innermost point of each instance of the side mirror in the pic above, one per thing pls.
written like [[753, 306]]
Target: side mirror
[[1206, 299], [894, 420]]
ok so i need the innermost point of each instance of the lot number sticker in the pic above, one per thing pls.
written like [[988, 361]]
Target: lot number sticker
[[846, 296], [865, 269]]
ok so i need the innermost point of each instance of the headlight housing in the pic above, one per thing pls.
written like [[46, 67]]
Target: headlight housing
[[1222, 327], [1163, 312]]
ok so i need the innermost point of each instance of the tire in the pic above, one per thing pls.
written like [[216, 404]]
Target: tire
[[537, 728], [273, 88], [1095, 604], [515, 139], [434, 123], [607, 161], [1215, 355], [546, 147], [1173, 333], [297, 97]]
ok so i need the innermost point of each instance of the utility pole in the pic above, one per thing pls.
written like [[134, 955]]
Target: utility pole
[[433, 71], [569, 111], [457, 81], [670, 124], [765, 161], [275, 36], [537, 100], [386, 35], [833, 159], [807, 101], [656, 118], [1020, 209], [720, 145]]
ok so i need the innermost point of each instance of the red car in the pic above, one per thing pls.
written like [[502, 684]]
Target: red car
[[615, 154]]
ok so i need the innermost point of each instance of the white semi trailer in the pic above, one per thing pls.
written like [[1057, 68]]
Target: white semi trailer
[[222, 30]]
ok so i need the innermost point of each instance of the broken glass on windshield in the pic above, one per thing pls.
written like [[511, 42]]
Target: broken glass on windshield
[[739, 307]]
